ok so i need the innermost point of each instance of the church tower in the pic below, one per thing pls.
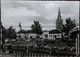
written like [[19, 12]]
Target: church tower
[[59, 21]]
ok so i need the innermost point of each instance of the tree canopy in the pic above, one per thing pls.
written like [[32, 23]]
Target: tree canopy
[[3, 34], [36, 28], [11, 33], [69, 25]]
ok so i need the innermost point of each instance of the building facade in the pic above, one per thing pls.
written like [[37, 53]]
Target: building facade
[[46, 35]]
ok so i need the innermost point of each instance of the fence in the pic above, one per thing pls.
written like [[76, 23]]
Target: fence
[[18, 51], [34, 54]]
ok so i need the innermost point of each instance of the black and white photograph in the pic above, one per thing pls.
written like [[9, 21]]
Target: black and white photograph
[[40, 29]]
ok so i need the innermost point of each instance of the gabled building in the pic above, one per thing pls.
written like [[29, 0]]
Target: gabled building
[[26, 34], [52, 35], [55, 34]]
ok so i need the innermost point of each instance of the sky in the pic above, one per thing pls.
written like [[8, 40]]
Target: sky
[[25, 12]]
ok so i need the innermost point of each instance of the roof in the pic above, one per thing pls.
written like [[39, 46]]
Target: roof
[[21, 31], [54, 31], [30, 31], [24, 31], [45, 31]]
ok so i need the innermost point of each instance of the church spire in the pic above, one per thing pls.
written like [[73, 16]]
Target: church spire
[[59, 21], [59, 14]]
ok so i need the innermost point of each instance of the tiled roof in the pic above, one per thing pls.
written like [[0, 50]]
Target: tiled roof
[[30, 31]]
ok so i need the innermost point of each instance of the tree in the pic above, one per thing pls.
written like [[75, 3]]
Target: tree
[[3, 35], [36, 28], [70, 24], [11, 33]]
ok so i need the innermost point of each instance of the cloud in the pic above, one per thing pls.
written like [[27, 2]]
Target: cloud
[[45, 12], [51, 5], [21, 11]]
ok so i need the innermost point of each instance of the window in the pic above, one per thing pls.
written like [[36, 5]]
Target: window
[[49, 35], [55, 36], [25, 36], [46, 35], [19, 36], [30, 37]]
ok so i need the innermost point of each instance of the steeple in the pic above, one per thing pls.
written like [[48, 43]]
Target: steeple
[[59, 21], [59, 14]]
